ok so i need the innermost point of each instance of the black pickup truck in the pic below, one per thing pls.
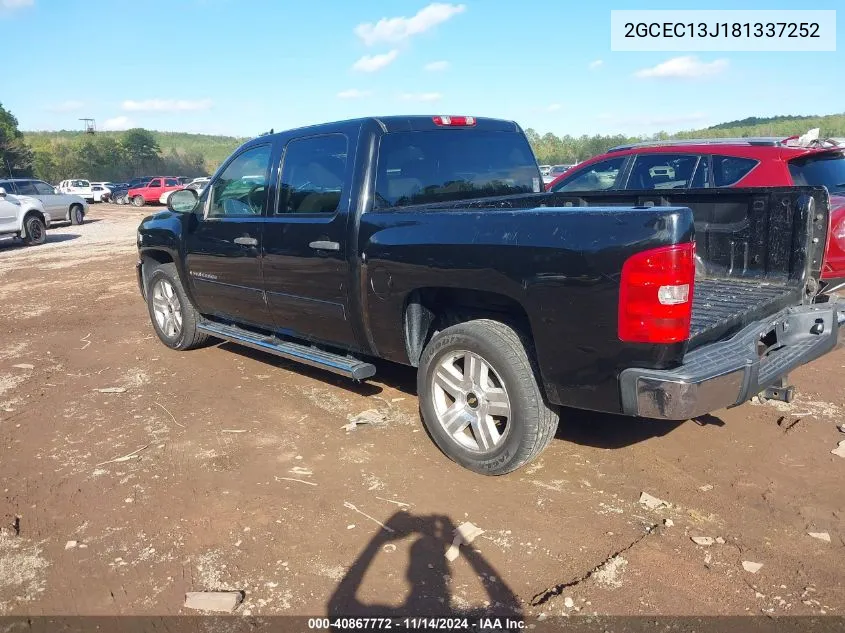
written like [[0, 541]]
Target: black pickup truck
[[427, 241]]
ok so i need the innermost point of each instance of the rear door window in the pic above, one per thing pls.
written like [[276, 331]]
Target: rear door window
[[313, 175], [600, 176], [827, 170], [663, 171], [171, 182], [451, 165], [27, 188], [44, 189], [729, 170]]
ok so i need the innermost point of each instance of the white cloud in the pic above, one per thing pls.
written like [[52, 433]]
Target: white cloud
[[66, 106], [354, 93], [395, 30], [421, 97], [553, 107], [11, 5], [595, 64], [372, 63], [437, 66], [167, 105], [686, 67], [117, 123]]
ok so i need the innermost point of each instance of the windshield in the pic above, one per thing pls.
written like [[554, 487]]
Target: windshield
[[826, 170], [80, 183], [446, 165]]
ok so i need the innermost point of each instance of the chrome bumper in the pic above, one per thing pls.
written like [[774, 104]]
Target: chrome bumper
[[730, 372]]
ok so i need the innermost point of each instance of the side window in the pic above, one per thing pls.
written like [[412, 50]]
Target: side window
[[662, 171], [729, 170], [26, 188], [171, 182], [598, 177], [313, 172], [242, 187], [155, 183]]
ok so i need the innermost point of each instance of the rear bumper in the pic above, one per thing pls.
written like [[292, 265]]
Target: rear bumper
[[728, 373]]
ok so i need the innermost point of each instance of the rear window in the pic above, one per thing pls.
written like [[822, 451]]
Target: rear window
[[729, 170], [826, 170], [446, 165]]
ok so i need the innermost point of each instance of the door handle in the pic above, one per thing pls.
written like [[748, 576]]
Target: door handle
[[322, 245], [246, 241]]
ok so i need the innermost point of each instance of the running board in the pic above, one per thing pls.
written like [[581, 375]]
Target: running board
[[343, 365]]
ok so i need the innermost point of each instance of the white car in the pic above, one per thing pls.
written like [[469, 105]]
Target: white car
[[101, 190], [556, 171], [58, 207], [197, 184], [76, 187], [23, 217]]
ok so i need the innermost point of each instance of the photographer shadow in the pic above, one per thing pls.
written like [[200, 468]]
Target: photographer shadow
[[428, 574]]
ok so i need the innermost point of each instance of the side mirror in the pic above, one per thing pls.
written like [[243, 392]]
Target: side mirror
[[56, 190], [182, 201], [2, 192]]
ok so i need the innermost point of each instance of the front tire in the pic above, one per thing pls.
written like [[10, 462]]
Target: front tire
[[138, 201], [173, 316], [77, 215], [480, 400], [34, 231]]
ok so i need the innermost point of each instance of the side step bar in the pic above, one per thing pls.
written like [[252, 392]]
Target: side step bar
[[343, 365]]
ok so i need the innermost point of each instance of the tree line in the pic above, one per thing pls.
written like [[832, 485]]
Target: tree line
[[107, 158], [104, 157], [55, 156], [555, 150]]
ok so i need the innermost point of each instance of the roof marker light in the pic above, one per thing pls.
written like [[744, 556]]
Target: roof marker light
[[454, 121]]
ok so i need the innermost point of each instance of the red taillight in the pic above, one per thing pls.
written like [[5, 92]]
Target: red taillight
[[655, 295], [455, 121]]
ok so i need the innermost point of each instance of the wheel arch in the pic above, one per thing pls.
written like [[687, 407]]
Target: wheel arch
[[430, 309], [30, 212]]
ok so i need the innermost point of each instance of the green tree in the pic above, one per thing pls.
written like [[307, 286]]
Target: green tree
[[141, 149], [15, 154]]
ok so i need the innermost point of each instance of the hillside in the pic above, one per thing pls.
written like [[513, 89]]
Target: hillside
[[214, 149], [830, 125]]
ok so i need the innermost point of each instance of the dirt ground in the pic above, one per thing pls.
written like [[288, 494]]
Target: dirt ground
[[225, 468]]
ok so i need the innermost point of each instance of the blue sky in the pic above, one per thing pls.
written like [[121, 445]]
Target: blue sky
[[241, 67]]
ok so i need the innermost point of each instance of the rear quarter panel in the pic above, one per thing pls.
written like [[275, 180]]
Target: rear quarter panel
[[561, 265]]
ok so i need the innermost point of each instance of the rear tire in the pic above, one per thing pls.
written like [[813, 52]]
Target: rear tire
[[138, 201], [480, 400], [173, 316], [34, 231], [77, 215]]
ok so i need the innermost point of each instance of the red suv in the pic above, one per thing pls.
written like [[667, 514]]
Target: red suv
[[153, 190], [743, 162]]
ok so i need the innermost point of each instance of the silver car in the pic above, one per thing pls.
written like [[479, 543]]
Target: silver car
[[58, 207]]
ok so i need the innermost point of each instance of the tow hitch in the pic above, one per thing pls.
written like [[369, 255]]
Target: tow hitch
[[782, 392]]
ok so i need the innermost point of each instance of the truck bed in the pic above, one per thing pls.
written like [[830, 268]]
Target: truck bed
[[724, 305], [758, 249]]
